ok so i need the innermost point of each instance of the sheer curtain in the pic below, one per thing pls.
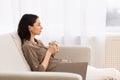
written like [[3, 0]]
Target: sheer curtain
[[93, 32], [8, 15], [70, 22]]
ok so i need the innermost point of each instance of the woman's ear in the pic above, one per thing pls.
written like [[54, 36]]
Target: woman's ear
[[29, 28]]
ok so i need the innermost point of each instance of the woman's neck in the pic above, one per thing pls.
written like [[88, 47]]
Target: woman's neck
[[32, 38]]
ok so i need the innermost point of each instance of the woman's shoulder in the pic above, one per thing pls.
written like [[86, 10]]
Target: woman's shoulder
[[39, 41], [27, 43], [30, 44]]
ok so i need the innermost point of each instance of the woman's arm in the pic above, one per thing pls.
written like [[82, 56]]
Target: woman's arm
[[38, 63], [45, 62], [51, 50], [32, 58]]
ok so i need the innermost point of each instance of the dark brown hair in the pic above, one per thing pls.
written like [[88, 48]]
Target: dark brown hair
[[23, 31]]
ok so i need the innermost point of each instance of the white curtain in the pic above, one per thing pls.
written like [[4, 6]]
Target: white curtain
[[70, 22], [8, 16], [93, 32]]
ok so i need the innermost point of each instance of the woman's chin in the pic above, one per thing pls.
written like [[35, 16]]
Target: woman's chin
[[39, 33]]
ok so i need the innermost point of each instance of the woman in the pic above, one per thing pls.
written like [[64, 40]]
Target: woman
[[37, 55]]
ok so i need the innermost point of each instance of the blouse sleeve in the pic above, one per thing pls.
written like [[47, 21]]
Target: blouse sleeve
[[32, 58]]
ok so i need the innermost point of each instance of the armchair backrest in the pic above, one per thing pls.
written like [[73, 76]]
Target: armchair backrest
[[11, 57]]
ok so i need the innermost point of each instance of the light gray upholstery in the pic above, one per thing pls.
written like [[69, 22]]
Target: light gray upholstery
[[39, 76], [75, 53]]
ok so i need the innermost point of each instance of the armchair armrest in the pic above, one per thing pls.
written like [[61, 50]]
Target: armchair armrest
[[39, 76], [75, 53]]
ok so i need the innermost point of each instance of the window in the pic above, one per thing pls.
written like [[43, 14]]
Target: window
[[113, 16]]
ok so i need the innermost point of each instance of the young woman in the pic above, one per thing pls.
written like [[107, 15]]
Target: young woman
[[37, 55]]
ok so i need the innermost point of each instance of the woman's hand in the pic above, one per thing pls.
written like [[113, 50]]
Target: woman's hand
[[53, 47]]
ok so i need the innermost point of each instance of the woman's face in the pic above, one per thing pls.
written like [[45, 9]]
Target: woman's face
[[36, 29]]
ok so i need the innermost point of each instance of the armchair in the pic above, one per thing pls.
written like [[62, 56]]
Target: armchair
[[13, 65]]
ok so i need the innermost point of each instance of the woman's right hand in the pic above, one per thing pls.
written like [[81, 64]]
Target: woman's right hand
[[52, 49]]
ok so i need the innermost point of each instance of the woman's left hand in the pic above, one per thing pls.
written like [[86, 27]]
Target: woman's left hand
[[55, 45]]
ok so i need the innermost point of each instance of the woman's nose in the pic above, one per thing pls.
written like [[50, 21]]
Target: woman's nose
[[41, 27]]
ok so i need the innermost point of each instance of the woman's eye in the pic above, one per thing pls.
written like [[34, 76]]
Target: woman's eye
[[38, 24]]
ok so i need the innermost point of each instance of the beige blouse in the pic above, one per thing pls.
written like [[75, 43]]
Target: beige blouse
[[35, 53]]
